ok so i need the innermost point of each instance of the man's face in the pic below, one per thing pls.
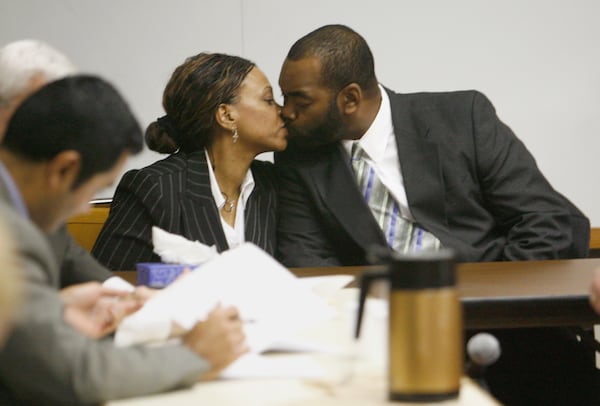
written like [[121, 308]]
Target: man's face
[[310, 108], [68, 202]]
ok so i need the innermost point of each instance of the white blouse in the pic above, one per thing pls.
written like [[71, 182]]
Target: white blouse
[[234, 235]]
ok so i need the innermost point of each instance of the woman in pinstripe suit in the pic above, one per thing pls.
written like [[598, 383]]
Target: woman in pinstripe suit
[[220, 115]]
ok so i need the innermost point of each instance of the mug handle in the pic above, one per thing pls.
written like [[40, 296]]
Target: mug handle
[[365, 283]]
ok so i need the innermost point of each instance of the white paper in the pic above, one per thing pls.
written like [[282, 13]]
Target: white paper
[[326, 286], [270, 299]]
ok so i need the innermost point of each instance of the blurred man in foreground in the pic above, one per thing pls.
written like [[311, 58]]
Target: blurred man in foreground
[[25, 66], [63, 143]]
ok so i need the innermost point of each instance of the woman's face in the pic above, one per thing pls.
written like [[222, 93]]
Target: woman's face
[[259, 123]]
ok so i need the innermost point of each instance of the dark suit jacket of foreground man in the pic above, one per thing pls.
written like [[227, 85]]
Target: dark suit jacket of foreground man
[[468, 179], [45, 361]]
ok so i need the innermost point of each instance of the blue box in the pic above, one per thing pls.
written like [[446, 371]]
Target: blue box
[[158, 275]]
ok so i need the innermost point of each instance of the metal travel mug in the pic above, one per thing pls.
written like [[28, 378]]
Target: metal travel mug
[[425, 326]]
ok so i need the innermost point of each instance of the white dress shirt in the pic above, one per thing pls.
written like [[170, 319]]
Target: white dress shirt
[[379, 144]]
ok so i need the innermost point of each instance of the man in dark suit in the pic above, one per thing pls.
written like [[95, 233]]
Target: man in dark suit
[[453, 174], [63, 143], [455, 170]]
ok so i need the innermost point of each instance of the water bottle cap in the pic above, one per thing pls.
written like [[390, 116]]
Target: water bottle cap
[[422, 270]]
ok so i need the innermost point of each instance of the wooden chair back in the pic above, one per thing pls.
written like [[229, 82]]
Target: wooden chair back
[[85, 228]]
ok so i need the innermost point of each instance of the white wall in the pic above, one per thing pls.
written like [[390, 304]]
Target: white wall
[[537, 60]]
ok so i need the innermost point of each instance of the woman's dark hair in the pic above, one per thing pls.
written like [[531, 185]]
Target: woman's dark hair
[[191, 98], [82, 113], [345, 56]]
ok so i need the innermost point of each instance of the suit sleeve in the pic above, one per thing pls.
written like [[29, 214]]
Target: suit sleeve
[[45, 361], [126, 237], [77, 265], [301, 240], [538, 221]]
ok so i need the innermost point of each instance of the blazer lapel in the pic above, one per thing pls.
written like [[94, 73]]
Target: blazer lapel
[[259, 215], [200, 215], [420, 164], [341, 195]]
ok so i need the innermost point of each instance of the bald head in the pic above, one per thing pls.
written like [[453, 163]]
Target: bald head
[[25, 66]]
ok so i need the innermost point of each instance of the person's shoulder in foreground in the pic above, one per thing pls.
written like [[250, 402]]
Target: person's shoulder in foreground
[[46, 360], [11, 286], [25, 66], [467, 178], [47, 156]]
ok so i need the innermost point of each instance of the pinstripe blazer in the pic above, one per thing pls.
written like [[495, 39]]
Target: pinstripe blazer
[[174, 194]]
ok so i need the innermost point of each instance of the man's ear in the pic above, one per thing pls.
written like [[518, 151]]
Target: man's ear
[[226, 116], [63, 170], [349, 98]]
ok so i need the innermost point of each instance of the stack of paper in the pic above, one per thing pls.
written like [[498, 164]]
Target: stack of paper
[[271, 300]]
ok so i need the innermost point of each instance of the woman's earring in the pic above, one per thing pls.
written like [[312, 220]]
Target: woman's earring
[[235, 135]]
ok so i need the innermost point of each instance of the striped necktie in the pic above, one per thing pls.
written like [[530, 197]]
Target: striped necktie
[[401, 234]]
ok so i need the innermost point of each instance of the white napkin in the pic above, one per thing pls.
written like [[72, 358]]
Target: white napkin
[[269, 298], [175, 249]]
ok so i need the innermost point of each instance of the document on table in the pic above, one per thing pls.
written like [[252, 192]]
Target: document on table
[[270, 299], [261, 366]]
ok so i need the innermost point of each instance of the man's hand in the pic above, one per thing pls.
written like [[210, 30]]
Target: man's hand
[[95, 310], [144, 293], [220, 339]]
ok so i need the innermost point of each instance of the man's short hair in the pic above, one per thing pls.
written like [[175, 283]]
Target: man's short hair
[[82, 113], [21, 60], [345, 56]]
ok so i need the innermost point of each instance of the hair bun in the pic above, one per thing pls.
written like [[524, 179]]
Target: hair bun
[[159, 139]]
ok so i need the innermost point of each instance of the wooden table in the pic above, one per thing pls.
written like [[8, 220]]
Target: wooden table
[[517, 294], [354, 372], [294, 392], [510, 294]]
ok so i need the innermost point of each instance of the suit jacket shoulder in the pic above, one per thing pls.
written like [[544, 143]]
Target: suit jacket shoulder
[[469, 191], [417, 109], [46, 361], [32, 243], [76, 264], [164, 168]]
